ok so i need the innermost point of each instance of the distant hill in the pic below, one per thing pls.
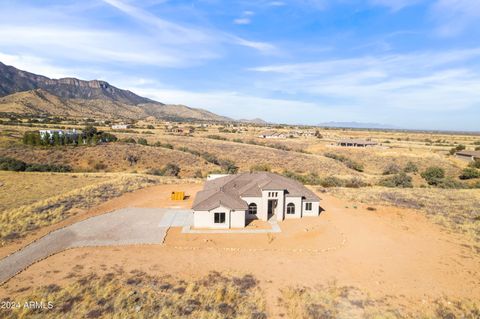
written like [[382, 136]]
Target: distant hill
[[254, 121], [28, 93], [357, 125]]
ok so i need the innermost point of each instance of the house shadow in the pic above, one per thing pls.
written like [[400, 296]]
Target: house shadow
[[320, 210]]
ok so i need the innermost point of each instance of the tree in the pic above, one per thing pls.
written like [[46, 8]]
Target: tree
[[433, 175], [457, 148]]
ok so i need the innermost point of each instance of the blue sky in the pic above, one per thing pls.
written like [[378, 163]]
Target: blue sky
[[409, 63]]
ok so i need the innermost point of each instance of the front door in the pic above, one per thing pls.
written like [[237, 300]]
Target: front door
[[272, 204]]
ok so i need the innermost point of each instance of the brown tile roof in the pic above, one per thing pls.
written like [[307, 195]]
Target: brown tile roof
[[228, 190]]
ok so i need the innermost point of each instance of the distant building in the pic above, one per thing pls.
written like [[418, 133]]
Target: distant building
[[468, 155], [120, 126], [272, 135], [70, 133], [355, 143]]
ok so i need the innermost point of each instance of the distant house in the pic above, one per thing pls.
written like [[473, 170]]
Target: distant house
[[272, 135], [468, 155], [121, 126], [355, 143], [70, 133], [230, 201]]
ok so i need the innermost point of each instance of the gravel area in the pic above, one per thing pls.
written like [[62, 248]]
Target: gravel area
[[122, 227]]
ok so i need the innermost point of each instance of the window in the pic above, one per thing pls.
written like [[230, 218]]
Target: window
[[219, 218], [308, 206], [291, 208], [252, 209]]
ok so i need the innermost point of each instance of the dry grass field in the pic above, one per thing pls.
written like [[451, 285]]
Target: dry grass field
[[376, 252], [456, 210], [17, 222]]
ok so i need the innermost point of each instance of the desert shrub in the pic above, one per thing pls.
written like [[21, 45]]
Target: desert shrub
[[228, 166], [474, 164], [171, 170], [155, 171], [260, 168], [433, 175], [457, 148], [401, 180], [451, 183], [166, 145], [279, 147], [48, 168], [309, 179], [469, 173], [355, 182], [198, 174], [142, 141], [332, 181], [217, 137], [100, 166], [410, 168], [129, 140], [237, 140], [346, 161], [11, 164], [391, 168], [150, 127]]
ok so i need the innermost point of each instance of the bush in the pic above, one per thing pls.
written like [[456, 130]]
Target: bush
[[469, 173], [410, 168], [129, 140], [198, 174], [171, 170], [391, 168], [433, 175], [474, 164], [260, 168], [228, 166], [142, 141], [355, 182], [150, 127], [401, 180], [345, 160], [451, 184], [217, 137], [457, 148], [11, 164], [332, 181]]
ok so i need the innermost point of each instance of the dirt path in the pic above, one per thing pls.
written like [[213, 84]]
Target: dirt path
[[124, 227], [141, 198], [386, 252]]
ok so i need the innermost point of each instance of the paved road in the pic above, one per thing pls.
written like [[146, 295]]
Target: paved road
[[122, 227]]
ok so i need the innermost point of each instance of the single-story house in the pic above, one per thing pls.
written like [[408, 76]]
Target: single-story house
[[230, 201], [468, 155], [272, 135], [121, 126], [356, 143]]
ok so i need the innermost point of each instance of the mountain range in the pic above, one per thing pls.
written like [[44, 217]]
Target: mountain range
[[357, 125], [23, 92]]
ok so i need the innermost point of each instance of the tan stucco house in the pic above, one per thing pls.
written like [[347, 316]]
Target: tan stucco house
[[231, 201]]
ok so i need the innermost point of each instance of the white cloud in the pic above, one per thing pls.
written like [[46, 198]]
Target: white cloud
[[242, 21], [422, 81], [455, 16], [395, 5]]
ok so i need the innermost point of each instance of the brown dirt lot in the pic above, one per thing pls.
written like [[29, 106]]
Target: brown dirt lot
[[390, 251]]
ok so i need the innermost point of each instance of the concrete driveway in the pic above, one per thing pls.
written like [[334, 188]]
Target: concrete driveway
[[123, 227]]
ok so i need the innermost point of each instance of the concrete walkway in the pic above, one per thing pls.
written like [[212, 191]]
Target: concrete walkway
[[123, 227], [187, 229]]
